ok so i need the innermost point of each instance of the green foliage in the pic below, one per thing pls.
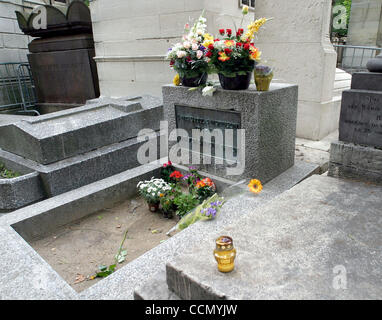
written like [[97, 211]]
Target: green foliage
[[347, 4], [7, 174], [185, 203], [105, 271]]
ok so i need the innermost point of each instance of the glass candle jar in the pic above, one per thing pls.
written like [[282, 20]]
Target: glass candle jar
[[225, 254]]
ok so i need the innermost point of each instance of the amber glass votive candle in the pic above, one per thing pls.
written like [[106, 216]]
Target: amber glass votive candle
[[225, 254]]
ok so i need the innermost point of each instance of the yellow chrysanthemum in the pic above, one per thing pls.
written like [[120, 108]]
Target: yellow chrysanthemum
[[208, 39], [254, 28], [176, 80], [255, 186]]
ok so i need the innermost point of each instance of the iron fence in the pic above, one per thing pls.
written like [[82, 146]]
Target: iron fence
[[354, 58], [17, 91]]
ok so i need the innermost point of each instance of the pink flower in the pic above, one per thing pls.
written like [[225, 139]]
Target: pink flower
[[186, 44], [195, 46], [181, 54]]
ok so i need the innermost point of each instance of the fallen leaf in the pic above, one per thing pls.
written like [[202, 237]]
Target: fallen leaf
[[119, 226], [79, 278]]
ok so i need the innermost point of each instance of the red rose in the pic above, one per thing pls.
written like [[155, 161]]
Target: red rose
[[169, 163], [172, 62], [239, 44], [246, 46], [221, 31], [240, 31], [188, 59], [209, 54], [229, 31], [211, 47], [227, 51], [217, 39]]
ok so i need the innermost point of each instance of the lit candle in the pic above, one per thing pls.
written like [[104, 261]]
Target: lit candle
[[225, 254]]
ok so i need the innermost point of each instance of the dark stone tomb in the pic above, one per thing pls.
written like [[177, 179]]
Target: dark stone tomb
[[61, 57]]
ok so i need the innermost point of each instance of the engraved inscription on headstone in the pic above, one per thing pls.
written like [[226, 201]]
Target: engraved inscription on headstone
[[361, 118], [191, 118]]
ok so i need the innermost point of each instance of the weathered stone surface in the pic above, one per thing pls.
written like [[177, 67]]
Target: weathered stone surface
[[293, 248], [75, 172], [269, 119], [20, 191], [155, 289], [25, 274], [54, 137], [355, 162], [361, 117], [367, 81], [18, 282]]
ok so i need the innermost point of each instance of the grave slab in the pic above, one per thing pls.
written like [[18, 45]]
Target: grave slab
[[356, 162], [61, 135], [294, 247]]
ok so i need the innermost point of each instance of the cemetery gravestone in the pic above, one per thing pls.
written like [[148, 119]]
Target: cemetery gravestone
[[358, 154], [268, 121]]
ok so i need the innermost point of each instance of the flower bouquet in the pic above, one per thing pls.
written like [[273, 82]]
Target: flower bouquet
[[152, 191], [208, 210], [188, 57], [235, 56]]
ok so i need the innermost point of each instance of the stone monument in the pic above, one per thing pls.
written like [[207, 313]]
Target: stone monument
[[358, 154], [72, 148], [262, 124], [61, 57]]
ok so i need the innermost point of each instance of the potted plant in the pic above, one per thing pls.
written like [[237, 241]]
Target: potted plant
[[152, 191], [168, 201], [188, 57], [235, 56], [185, 202], [166, 171], [204, 189], [263, 77]]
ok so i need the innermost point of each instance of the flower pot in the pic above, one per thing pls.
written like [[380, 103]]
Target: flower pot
[[195, 81], [263, 82], [153, 207], [235, 83]]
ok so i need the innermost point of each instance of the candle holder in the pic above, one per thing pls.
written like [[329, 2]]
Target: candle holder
[[225, 254]]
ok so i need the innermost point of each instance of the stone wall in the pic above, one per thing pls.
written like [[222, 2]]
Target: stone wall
[[131, 38]]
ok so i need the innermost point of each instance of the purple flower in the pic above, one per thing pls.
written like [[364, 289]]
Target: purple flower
[[211, 212]]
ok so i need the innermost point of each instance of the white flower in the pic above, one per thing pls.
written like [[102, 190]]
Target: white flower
[[199, 54], [195, 46], [187, 44], [181, 54], [208, 91]]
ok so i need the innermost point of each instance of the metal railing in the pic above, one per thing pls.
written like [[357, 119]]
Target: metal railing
[[354, 58], [17, 91]]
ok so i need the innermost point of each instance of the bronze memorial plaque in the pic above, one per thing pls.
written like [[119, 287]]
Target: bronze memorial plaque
[[189, 118]]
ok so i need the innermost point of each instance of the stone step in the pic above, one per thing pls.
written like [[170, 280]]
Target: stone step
[[319, 240], [234, 209], [81, 170], [61, 135]]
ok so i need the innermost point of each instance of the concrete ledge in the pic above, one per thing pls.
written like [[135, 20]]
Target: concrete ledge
[[290, 248], [73, 173], [21, 191], [352, 161]]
